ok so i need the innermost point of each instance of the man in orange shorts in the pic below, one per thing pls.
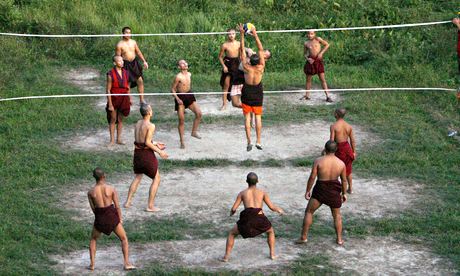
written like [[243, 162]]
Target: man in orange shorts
[[252, 95]]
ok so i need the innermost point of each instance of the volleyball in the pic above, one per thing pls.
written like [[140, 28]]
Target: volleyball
[[248, 27]]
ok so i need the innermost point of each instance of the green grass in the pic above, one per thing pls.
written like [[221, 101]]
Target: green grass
[[413, 126]]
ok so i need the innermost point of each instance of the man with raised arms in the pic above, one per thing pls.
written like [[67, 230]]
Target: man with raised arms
[[182, 84], [229, 62], [145, 161], [117, 106], [103, 200], [341, 132], [128, 49], [328, 190], [313, 53], [252, 221], [252, 93]]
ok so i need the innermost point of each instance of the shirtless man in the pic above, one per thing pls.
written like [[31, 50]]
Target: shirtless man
[[252, 221], [231, 50], [182, 84], [341, 131], [117, 106], [327, 190], [144, 161], [313, 53], [103, 200], [252, 93], [128, 49], [456, 22]]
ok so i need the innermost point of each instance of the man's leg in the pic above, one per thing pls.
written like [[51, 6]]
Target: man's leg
[[92, 247], [350, 184], [180, 127], [338, 224], [258, 129], [308, 86], [236, 101], [132, 189], [195, 108], [225, 91], [153, 192], [140, 88], [271, 242], [119, 128], [230, 242], [322, 78], [113, 119], [313, 204], [120, 232], [247, 128]]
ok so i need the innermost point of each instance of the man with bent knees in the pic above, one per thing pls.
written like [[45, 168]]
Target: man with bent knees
[[328, 190]]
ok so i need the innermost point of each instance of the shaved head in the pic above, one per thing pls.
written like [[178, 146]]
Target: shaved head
[[252, 179], [340, 112], [98, 174]]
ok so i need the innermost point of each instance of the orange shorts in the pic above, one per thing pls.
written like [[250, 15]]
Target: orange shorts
[[258, 110]]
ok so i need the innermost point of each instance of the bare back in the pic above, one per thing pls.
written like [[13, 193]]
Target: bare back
[[141, 131], [253, 74], [329, 167], [183, 82], [127, 49], [341, 131], [102, 195], [252, 198]]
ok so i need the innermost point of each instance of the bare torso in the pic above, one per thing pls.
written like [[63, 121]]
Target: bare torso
[[253, 74], [231, 48], [128, 49], [185, 82], [101, 195], [312, 47], [252, 197], [329, 167], [141, 129], [342, 131]]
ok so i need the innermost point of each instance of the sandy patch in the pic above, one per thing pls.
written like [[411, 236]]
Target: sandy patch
[[358, 256], [226, 141], [87, 79], [206, 195]]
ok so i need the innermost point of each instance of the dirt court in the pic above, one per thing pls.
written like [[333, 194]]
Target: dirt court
[[226, 142], [206, 195], [372, 256]]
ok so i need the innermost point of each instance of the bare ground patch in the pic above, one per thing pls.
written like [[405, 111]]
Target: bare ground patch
[[226, 141], [374, 255], [206, 195]]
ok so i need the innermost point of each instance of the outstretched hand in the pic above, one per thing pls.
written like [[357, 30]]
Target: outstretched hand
[[240, 27], [307, 195]]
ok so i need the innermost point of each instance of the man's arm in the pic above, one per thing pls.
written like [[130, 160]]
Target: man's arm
[[152, 146], [221, 58], [259, 47], [306, 52], [332, 136], [353, 141], [91, 203], [174, 89], [236, 204], [311, 179], [108, 88], [456, 22], [116, 202], [139, 54], [242, 49], [343, 177], [270, 205], [118, 50], [325, 47]]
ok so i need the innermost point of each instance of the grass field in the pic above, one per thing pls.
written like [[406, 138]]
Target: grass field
[[413, 125]]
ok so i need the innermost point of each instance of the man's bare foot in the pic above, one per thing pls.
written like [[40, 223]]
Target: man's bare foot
[[300, 241], [349, 191], [154, 209], [196, 135], [127, 204], [182, 146], [111, 144], [305, 97], [223, 107], [90, 267], [223, 259], [121, 142], [273, 257], [129, 267], [329, 100], [340, 242]]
